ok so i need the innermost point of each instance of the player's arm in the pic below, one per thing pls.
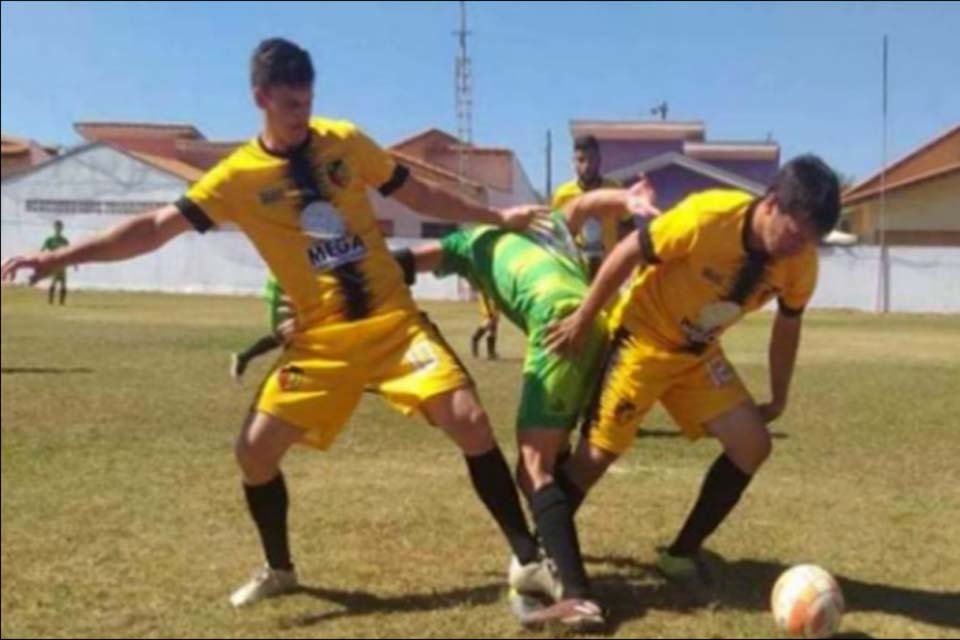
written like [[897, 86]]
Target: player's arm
[[640, 200], [425, 257], [134, 237], [784, 344], [567, 335], [432, 200]]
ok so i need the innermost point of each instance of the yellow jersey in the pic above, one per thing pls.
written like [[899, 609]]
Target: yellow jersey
[[308, 214], [702, 277]]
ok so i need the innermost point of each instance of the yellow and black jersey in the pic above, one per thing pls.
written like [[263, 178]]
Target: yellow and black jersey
[[703, 277], [308, 214], [597, 234]]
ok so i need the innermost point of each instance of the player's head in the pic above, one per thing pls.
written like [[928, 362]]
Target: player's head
[[800, 207], [281, 75], [586, 159], [57, 226]]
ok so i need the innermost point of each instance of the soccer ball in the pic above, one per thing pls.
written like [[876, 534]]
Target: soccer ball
[[807, 602]]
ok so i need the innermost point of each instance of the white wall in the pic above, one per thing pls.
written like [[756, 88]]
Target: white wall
[[922, 279]]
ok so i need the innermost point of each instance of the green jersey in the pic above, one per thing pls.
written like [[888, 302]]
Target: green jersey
[[535, 278], [54, 242], [527, 274]]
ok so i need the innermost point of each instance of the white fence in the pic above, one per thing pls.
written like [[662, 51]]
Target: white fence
[[921, 279], [222, 262]]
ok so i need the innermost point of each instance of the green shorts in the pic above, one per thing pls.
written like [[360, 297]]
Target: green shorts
[[556, 388]]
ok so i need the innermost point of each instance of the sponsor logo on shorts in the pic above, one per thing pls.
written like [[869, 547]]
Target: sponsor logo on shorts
[[421, 357], [291, 378], [721, 373]]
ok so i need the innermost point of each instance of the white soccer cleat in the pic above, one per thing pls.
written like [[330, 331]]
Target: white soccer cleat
[[266, 583], [536, 578]]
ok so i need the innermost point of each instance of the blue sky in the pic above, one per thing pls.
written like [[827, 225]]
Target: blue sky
[[809, 73]]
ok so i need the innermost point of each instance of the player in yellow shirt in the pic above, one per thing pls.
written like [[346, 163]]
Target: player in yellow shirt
[[298, 191], [713, 258], [599, 235], [490, 321]]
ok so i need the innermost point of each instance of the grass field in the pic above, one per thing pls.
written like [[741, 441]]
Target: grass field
[[122, 513]]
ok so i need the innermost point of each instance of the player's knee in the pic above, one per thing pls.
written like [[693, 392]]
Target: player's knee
[[759, 449], [471, 429], [255, 467]]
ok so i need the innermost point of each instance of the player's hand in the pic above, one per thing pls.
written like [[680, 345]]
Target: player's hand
[[41, 264], [520, 217], [642, 198], [566, 336], [770, 411]]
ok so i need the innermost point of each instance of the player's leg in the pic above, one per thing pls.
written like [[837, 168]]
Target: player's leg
[[711, 398], [415, 369], [259, 448], [746, 445], [63, 289], [240, 360], [460, 415], [476, 338], [305, 399], [493, 325]]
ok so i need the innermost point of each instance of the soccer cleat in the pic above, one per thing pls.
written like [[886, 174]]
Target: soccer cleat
[[237, 366], [691, 575], [537, 578], [266, 583], [572, 614]]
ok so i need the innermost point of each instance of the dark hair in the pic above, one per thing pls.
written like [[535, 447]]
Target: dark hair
[[806, 186], [280, 62], [586, 143]]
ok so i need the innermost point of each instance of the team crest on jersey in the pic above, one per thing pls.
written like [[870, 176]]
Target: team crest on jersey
[[338, 173], [625, 412], [291, 378]]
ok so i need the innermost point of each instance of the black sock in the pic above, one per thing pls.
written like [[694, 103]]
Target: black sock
[[492, 345], [575, 494], [721, 490], [263, 345], [268, 505], [494, 484], [554, 519]]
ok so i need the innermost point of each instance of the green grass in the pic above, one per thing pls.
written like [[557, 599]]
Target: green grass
[[122, 513]]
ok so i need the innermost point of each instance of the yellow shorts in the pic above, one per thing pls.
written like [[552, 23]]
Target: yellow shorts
[[318, 381], [694, 389]]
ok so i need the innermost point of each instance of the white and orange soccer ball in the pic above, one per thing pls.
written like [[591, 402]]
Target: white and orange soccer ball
[[807, 602]]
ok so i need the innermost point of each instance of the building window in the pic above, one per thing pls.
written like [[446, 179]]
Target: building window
[[436, 229], [386, 227]]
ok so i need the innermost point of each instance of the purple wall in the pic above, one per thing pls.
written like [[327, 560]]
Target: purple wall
[[673, 183], [761, 171], [617, 154]]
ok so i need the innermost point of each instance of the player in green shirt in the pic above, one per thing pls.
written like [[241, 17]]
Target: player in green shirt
[[52, 243], [536, 278]]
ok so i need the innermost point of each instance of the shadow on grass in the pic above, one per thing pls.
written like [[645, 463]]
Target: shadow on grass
[[43, 370], [358, 603], [644, 434], [747, 584]]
